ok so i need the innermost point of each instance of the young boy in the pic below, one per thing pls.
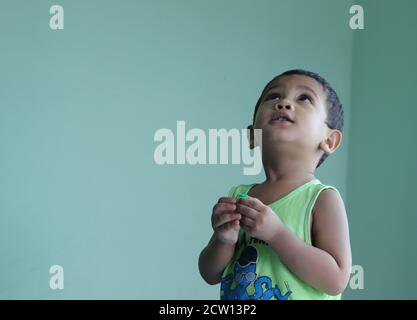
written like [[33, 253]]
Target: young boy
[[288, 237]]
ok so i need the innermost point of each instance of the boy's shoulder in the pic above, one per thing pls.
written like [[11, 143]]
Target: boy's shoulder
[[325, 191], [328, 197], [328, 202], [240, 188]]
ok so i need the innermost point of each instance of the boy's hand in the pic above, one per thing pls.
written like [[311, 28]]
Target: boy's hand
[[258, 220], [225, 221]]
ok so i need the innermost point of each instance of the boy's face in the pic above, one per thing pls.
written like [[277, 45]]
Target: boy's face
[[301, 99]]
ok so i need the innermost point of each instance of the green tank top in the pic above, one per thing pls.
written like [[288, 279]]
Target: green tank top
[[255, 272]]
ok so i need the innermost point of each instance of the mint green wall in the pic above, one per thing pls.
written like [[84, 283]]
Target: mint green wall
[[79, 108], [382, 151]]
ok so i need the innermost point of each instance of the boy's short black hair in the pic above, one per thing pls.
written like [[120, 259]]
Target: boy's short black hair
[[334, 107]]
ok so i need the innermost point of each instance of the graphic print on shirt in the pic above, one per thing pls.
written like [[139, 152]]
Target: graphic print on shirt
[[244, 274]]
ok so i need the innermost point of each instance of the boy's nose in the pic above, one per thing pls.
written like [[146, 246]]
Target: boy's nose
[[283, 106]]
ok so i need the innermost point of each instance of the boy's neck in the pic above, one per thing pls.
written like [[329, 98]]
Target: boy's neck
[[286, 170]]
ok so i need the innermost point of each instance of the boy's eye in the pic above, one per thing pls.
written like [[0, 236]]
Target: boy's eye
[[273, 96], [305, 97]]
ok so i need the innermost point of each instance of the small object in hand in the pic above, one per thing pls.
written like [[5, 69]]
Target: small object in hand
[[242, 196]]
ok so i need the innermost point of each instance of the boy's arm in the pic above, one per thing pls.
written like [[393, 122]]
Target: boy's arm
[[326, 265], [213, 260]]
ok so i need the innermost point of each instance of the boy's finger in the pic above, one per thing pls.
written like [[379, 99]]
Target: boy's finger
[[253, 203], [244, 226], [235, 224], [247, 211], [227, 200], [220, 208], [228, 225], [225, 218], [247, 222]]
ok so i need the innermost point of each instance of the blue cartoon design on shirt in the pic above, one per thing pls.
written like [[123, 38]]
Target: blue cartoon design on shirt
[[245, 274]]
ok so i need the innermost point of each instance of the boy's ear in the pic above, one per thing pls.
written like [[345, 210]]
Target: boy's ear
[[332, 142], [251, 136]]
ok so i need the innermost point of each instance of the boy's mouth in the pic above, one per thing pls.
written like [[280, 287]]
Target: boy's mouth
[[280, 117]]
